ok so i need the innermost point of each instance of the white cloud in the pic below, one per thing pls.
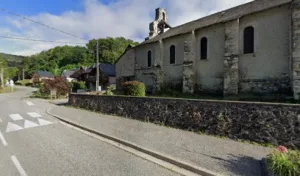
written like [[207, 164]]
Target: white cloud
[[127, 18]]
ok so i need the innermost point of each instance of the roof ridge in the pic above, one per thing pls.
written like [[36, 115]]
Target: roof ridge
[[219, 17]]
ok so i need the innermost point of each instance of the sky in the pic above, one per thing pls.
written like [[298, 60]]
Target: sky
[[90, 19]]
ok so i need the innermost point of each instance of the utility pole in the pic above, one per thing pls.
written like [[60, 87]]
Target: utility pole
[[97, 66], [23, 73], [1, 75]]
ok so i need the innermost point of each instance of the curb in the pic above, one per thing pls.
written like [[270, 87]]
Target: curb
[[181, 164]]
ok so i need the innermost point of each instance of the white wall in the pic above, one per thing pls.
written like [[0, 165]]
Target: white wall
[[209, 72], [271, 46], [125, 65]]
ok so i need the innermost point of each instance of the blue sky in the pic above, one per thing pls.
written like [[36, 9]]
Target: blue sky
[[31, 7], [93, 19]]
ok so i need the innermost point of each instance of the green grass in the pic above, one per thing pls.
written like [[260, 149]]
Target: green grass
[[285, 164], [7, 90]]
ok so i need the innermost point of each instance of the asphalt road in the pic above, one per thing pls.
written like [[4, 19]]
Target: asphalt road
[[33, 143]]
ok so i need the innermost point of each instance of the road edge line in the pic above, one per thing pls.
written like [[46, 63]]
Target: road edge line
[[169, 159], [18, 165]]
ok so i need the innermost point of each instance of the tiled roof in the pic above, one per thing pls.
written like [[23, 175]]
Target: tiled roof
[[45, 74], [108, 69], [227, 15]]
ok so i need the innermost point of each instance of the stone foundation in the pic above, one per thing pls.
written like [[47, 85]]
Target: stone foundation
[[268, 85]]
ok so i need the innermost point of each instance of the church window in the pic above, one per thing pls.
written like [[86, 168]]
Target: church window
[[248, 40], [149, 59], [203, 48], [172, 54]]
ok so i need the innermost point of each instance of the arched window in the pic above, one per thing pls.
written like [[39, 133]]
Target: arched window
[[203, 49], [149, 59], [172, 54], [164, 16], [248, 40]]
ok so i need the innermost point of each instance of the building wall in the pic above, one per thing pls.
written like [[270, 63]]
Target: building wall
[[125, 65], [209, 72], [173, 72], [144, 73], [267, 70]]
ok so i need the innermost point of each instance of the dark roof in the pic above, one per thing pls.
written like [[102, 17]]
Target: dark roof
[[108, 69], [227, 15], [45, 74]]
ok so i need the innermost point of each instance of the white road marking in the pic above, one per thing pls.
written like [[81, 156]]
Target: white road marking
[[34, 114], [29, 124], [2, 139], [44, 122], [12, 127], [16, 117], [18, 165], [29, 103], [1, 120]]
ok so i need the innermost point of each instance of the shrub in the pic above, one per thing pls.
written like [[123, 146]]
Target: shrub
[[78, 85], [110, 90], [29, 84], [25, 82], [134, 88], [285, 163], [60, 84]]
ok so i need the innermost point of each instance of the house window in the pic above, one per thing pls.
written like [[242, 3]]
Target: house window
[[248, 40], [149, 59], [172, 54], [203, 48]]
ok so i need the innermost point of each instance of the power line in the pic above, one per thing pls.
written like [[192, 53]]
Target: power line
[[40, 40], [42, 24]]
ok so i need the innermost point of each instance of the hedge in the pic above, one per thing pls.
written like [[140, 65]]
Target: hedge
[[134, 88]]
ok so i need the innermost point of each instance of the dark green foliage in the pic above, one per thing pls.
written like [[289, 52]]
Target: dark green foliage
[[134, 88], [110, 49], [62, 58], [25, 82], [13, 60], [78, 85]]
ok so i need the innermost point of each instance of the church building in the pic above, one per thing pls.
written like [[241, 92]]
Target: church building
[[251, 48]]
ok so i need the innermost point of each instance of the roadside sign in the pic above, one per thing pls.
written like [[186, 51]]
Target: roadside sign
[[53, 93]]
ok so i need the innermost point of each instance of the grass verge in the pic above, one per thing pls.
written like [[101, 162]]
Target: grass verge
[[283, 162], [7, 90]]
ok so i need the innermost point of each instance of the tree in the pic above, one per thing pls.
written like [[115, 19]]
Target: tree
[[110, 49], [62, 58]]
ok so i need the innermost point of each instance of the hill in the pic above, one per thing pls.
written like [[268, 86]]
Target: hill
[[13, 60]]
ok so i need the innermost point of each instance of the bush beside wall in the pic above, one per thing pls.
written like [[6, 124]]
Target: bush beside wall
[[277, 124], [134, 88]]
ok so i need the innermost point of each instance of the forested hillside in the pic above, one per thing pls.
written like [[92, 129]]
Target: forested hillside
[[13, 60], [58, 59]]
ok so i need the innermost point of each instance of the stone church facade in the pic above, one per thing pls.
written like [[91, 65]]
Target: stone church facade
[[251, 48]]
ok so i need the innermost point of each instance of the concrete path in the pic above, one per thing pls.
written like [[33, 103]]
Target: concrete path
[[226, 157], [33, 143]]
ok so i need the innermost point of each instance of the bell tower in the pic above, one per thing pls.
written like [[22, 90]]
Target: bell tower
[[159, 24]]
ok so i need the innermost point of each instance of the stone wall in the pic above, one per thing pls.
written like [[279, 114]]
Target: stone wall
[[278, 124], [268, 85], [295, 6], [231, 59]]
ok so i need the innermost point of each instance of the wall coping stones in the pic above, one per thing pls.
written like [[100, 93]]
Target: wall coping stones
[[199, 100]]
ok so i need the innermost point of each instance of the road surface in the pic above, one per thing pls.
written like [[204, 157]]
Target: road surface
[[33, 143]]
